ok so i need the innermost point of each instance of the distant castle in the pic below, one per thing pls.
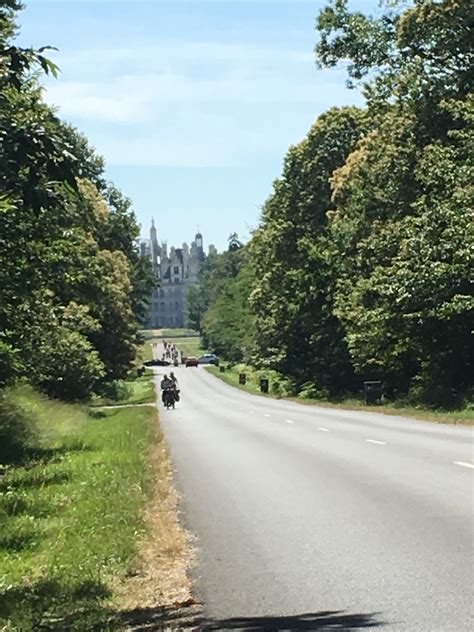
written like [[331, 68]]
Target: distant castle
[[176, 271]]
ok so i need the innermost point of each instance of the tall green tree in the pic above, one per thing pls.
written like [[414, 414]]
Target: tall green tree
[[72, 284], [218, 305], [292, 296], [404, 197]]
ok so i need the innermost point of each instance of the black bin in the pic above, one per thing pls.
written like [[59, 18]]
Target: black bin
[[222, 369], [373, 392], [242, 378], [263, 385]]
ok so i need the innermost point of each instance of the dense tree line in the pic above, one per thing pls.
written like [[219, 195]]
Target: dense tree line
[[360, 266], [72, 283]]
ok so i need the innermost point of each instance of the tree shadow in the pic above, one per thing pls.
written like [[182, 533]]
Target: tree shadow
[[191, 619], [32, 457], [57, 606], [15, 542], [39, 478]]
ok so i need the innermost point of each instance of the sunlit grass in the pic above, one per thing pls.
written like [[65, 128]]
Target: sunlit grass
[[141, 390], [189, 346], [71, 514], [178, 332]]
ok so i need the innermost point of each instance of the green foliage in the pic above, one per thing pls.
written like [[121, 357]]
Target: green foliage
[[196, 306], [218, 306], [138, 390], [403, 231], [72, 283], [8, 364], [292, 296], [423, 51], [360, 266], [67, 366], [280, 386], [17, 430], [228, 323], [402, 228]]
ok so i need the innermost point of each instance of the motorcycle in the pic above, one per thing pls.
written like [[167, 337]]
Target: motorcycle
[[168, 398]]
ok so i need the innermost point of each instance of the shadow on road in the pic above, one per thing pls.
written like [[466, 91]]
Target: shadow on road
[[189, 619]]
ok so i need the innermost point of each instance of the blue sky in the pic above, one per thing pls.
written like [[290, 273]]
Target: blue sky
[[193, 104]]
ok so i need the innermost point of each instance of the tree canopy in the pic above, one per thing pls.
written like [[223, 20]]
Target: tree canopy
[[360, 264], [72, 283]]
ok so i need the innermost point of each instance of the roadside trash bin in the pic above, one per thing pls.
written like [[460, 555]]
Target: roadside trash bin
[[222, 369], [263, 385], [242, 378], [373, 392]]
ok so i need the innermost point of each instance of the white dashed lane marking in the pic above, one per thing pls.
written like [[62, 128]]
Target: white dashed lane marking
[[289, 421], [375, 441], [464, 464], [266, 415], [324, 429]]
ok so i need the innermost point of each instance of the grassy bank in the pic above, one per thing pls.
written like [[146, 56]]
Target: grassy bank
[[465, 416], [140, 390], [71, 510]]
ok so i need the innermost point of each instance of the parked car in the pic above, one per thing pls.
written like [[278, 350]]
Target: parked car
[[191, 361], [156, 363], [209, 358]]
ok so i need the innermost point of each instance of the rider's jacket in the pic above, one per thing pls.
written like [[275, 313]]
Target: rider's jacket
[[166, 384]]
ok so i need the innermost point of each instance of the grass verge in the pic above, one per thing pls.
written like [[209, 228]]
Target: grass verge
[[464, 417], [178, 332], [71, 513], [140, 390]]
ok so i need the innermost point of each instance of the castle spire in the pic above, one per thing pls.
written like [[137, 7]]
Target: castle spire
[[153, 234]]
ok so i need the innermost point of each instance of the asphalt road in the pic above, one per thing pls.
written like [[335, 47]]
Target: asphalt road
[[322, 519]]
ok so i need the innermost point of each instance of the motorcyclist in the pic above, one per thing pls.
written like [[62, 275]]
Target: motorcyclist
[[166, 384], [174, 379]]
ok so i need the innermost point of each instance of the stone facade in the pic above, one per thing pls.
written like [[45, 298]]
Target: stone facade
[[176, 271]]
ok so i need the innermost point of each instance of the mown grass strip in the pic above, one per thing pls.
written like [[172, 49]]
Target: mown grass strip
[[178, 332], [71, 514]]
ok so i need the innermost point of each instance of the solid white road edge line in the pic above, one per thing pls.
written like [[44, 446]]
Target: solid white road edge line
[[323, 429], [464, 464], [374, 441]]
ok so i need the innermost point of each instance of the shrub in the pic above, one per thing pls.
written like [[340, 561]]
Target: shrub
[[116, 390], [309, 390], [68, 366], [8, 364], [17, 430]]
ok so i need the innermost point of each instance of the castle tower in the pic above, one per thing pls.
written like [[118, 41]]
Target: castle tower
[[198, 240], [155, 250]]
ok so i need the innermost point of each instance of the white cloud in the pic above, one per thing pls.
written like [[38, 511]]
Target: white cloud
[[95, 101], [194, 104]]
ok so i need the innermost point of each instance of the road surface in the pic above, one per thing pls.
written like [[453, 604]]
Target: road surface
[[322, 519]]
